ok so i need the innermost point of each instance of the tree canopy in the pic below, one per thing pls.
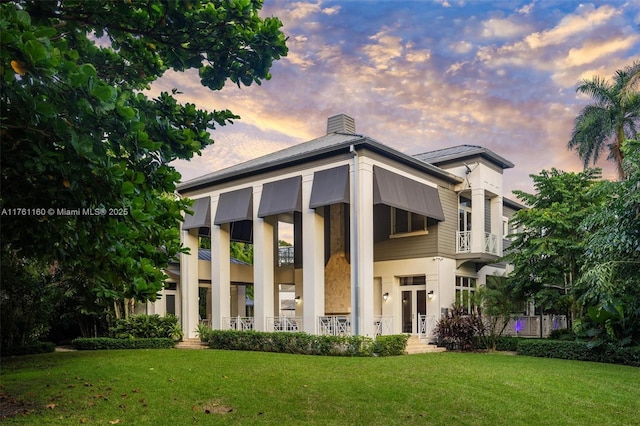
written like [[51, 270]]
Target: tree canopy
[[85, 175]]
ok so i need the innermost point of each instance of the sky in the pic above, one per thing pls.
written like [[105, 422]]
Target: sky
[[424, 75]]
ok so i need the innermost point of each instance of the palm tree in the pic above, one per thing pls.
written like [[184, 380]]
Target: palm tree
[[610, 120]]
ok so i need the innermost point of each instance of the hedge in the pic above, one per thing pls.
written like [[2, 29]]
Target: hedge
[[97, 343], [33, 348], [307, 344], [579, 351]]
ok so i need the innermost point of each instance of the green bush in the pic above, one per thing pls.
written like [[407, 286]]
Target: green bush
[[90, 344], [147, 326], [33, 348], [502, 343], [307, 344], [390, 345], [580, 351], [562, 334]]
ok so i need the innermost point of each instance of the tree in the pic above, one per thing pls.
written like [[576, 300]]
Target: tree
[[86, 178], [610, 120], [499, 305], [547, 253], [609, 286]]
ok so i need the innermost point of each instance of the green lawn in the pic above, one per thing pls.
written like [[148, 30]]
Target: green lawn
[[182, 387]]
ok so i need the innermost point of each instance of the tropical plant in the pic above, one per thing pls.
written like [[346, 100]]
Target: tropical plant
[[610, 120], [499, 305], [461, 328]]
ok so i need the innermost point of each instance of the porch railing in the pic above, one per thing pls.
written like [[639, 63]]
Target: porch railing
[[336, 325], [238, 323], [426, 326], [290, 324], [529, 326], [383, 324]]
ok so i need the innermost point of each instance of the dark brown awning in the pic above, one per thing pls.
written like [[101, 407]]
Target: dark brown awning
[[235, 206], [330, 187], [283, 196], [200, 217], [398, 191]]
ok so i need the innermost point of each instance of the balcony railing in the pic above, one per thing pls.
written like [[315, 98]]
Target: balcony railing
[[290, 324], [463, 242], [339, 325], [285, 256], [238, 323]]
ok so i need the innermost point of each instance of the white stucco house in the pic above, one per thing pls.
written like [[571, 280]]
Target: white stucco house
[[383, 242]]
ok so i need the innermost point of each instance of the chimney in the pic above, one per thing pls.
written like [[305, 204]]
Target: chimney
[[341, 123]]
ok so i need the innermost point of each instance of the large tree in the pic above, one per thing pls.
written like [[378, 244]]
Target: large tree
[[547, 252], [86, 179], [610, 120]]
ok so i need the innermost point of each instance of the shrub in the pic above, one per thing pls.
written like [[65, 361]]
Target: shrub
[[499, 343], [580, 351], [202, 331], [33, 348], [562, 334], [97, 343], [307, 344], [147, 326], [461, 330]]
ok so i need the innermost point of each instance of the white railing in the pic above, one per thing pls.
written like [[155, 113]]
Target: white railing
[[238, 323], [490, 243], [290, 324], [205, 321], [337, 325], [383, 324], [426, 326], [285, 255], [529, 326], [463, 242]]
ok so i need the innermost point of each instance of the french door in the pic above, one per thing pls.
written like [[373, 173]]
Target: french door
[[414, 304]]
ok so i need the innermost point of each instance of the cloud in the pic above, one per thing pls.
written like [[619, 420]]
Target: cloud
[[526, 9]]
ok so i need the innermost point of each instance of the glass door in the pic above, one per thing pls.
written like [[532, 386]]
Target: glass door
[[407, 311], [414, 304]]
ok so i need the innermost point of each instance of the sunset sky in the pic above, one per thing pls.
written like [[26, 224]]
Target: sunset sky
[[425, 75]]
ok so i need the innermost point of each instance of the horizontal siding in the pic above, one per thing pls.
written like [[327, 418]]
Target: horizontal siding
[[446, 230]]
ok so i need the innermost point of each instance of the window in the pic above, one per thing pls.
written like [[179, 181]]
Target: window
[[464, 219], [403, 222], [465, 290], [414, 280]]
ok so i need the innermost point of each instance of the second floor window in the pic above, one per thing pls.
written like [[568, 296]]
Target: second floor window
[[403, 221]]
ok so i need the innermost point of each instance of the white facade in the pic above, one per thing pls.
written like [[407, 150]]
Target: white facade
[[387, 257]]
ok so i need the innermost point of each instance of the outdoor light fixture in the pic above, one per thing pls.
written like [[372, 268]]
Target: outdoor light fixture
[[430, 294], [385, 296], [297, 299]]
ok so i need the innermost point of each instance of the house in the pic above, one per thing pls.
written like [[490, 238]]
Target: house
[[383, 242]]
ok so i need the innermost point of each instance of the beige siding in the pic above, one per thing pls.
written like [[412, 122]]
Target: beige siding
[[447, 229]]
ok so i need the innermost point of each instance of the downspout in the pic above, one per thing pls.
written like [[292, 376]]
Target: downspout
[[355, 289]]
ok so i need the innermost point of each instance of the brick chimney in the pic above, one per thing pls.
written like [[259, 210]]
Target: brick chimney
[[341, 123]]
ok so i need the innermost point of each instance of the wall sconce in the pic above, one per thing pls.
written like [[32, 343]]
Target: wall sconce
[[385, 296], [430, 294], [297, 299]]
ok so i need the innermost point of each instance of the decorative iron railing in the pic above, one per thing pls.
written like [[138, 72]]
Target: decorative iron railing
[[285, 255], [336, 325], [290, 324], [383, 324], [238, 323]]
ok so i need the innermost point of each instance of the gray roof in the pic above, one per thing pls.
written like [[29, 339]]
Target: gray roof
[[461, 152], [324, 146]]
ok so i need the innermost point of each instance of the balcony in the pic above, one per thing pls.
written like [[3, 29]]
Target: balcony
[[464, 240]]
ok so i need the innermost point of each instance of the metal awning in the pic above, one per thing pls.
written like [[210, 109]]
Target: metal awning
[[200, 217], [330, 186], [283, 196], [398, 191], [235, 206]]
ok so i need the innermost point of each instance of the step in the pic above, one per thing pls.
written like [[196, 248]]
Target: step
[[418, 346], [191, 344]]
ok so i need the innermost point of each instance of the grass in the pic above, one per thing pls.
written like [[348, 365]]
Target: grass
[[171, 387]]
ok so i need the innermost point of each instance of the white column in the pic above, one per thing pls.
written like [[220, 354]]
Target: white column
[[496, 221], [263, 265], [477, 220], [220, 271], [189, 283], [362, 248], [312, 261]]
